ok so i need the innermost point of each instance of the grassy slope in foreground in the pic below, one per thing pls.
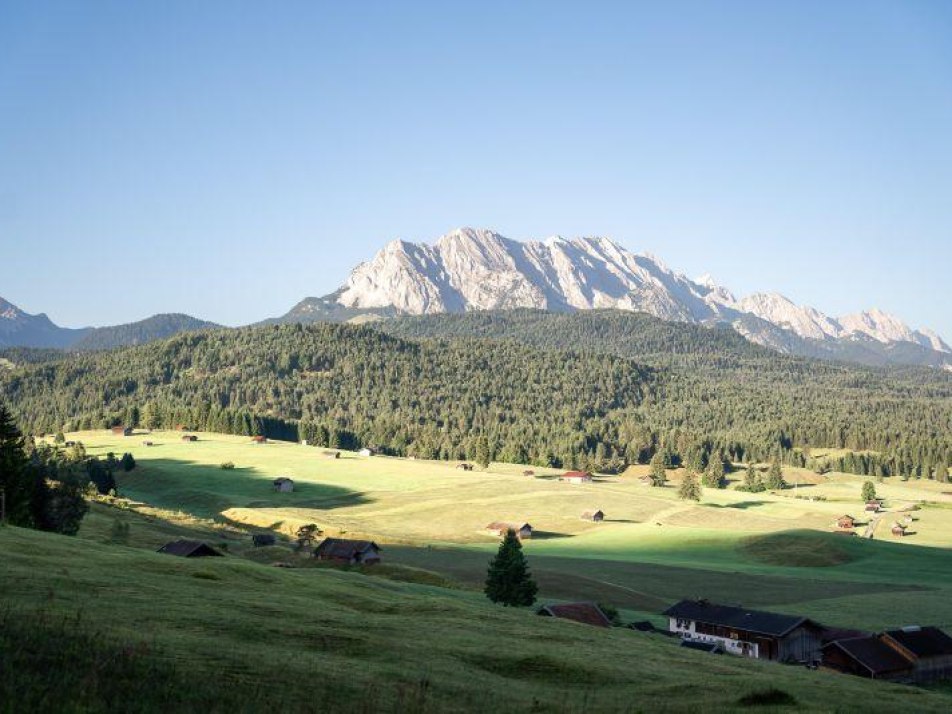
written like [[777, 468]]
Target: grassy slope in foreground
[[254, 637]]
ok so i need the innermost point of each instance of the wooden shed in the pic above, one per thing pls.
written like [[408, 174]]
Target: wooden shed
[[122, 430], [330, 454], [499, 528], [189, 437], [258, 439], [846, 522], [898, 529], [189, 549], [465, 466], [283, 484], [576, 477], [354, 552], [585, 613], [595, 516], [261, 540]]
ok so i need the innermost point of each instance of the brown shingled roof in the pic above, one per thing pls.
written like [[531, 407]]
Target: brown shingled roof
[[587, 613]]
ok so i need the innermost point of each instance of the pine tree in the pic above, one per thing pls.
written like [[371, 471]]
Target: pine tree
[[508, 580], [657, 474], [690, 489], [775, 477], [21, 492], [942, 472], [714, 476], [482, 451]]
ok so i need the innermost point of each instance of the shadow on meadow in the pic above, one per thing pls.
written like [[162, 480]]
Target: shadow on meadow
[[206, 491]]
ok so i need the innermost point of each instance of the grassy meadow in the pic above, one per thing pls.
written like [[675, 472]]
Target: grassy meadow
[[767, 550], [415, 634]]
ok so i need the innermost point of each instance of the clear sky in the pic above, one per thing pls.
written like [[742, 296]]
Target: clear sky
[[228, 159]]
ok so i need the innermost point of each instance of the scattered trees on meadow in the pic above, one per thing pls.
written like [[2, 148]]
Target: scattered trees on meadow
[[774, 480], [508, 580], [658, 474], [690, 489]]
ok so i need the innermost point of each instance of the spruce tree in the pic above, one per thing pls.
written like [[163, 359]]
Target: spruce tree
[[18, 483], [775, 477], [869, 491], [942, 472], [482, 452], [508, 580], [657, 474], [690, 489], [714, 476]]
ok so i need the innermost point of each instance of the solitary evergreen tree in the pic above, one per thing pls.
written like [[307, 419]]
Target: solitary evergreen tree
[[775, 476], [690, 489], [508, 580], [714, 476], [657, 474], [869, 491], [16, 481]]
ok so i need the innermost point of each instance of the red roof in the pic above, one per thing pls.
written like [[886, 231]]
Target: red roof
[[587, 613], [577, 474]]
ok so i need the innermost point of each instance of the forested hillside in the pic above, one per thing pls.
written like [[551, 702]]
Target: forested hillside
[[547, 389]]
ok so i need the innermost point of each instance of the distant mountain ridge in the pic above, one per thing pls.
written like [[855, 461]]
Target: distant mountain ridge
[[20, 329], [471, 269]]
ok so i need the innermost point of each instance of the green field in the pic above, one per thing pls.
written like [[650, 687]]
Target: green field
[[415, 633], [88, 626], [759, 549]]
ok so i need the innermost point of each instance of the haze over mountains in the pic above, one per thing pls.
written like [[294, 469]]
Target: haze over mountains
[[471, 270]]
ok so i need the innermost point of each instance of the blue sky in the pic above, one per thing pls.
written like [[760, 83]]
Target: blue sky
[[228, 159]]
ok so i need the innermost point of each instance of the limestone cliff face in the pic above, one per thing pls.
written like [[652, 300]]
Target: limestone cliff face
[[474, 269]]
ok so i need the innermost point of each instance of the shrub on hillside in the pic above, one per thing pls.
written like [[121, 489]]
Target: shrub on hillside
[[227, 465]]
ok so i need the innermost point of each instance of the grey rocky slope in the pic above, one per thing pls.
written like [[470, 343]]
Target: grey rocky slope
[[470, 269]]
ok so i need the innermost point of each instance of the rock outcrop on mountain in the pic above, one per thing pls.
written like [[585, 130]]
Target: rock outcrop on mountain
[[471, 269]]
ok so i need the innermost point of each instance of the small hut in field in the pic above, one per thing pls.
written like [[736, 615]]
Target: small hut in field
[[283, 484], [330, 454], [594, 516], [499, 528], [845, 522], [122, 430], [189, 437], [898, 529], [259, 439], [189, 549]]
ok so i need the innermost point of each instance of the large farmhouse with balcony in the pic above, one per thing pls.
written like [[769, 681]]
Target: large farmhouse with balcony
[[749, 633]]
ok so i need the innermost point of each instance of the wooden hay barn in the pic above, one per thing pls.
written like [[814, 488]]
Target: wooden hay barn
[[354, 552], [576, 477], [927, 649], [283, 484], [498, 528], [259, 439], [189, 549], [122, 430], [594, 516], [898, 529], [465, 466], [330, 454], [189, 437], [586, 613], [846, 522]]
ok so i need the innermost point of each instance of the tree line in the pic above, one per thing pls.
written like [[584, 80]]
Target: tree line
[[594, 390]]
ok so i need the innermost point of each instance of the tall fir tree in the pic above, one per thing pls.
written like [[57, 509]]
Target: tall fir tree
[[775, 480], [508, 580], [690, 489], [657, 474]]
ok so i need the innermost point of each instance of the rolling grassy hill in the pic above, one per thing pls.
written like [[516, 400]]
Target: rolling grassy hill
[[94, 627], [761, 549]]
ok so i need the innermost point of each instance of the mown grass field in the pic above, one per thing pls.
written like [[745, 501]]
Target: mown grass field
[[89, 627], [770, 550]]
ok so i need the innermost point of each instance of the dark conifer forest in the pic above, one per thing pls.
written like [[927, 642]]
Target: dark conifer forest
[[597, 390]]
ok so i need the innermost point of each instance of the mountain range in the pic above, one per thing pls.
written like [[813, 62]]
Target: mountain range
[[20, 329], [476, 270], [470, 269]]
